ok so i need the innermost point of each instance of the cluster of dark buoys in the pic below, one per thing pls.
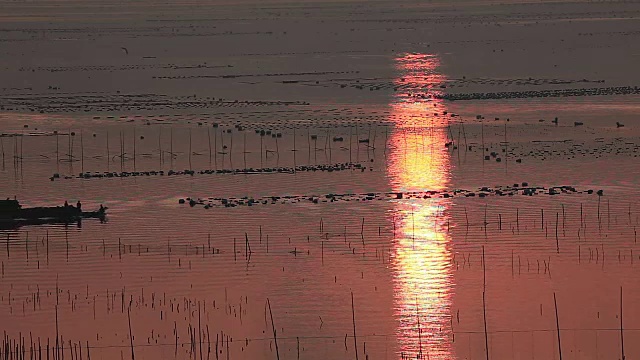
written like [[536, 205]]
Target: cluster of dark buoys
[[283, 118], [246, 171], [125, 67], [263, 132], [568, 149], [234, 76], [403, 85], [515, 189], [617, 90]]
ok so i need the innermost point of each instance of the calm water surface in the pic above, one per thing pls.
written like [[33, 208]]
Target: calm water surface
[[380, 276]]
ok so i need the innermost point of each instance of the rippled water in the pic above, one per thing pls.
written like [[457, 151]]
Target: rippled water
[[444, 275]]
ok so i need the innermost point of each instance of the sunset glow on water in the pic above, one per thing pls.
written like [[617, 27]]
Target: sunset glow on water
[[319, 180]]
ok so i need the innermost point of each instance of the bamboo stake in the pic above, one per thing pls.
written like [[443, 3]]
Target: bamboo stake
[[190, 167], [209, 139], [200, 331], [82, 150], [621, 328], [273, 326], [133, 356], [484, 314], [555, 303], [557, 243], [353, 316]]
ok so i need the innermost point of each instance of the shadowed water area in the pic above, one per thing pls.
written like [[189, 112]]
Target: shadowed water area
[[316, 180]]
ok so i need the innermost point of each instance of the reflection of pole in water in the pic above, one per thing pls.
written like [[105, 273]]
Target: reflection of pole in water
[[108, 155], [2, 147], [209, 142], [160, 145], [82, 150], [134, 148]]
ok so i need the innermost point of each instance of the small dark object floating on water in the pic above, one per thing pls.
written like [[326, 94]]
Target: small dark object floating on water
[[13, 215]]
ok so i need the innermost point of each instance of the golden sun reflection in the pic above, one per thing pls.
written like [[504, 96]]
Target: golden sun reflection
[[418, 161]]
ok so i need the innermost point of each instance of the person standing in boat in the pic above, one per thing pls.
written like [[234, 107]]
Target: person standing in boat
[[66, 204], [79, 206]]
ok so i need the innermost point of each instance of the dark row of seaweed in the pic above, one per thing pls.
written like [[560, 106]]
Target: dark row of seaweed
[[269, 170], [618, 90], [515, 189]]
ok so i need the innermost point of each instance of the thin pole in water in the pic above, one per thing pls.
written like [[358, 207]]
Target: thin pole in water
[[484, 314], [621, 329], [557, 243], [133, 356], [273, 326], [555, 303], [108, 155], [209, 137], [82, 150], [353, 316], [134, 148], [484, 271]]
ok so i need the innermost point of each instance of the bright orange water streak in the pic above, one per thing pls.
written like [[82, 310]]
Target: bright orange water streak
[[418, 161]]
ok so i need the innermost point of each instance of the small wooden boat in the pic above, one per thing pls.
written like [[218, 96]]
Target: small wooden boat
[[12, 214]]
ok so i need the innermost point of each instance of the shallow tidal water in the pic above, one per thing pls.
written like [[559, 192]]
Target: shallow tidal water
[[369, 212]]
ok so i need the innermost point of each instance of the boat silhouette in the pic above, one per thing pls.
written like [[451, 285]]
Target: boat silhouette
[[13, 215]]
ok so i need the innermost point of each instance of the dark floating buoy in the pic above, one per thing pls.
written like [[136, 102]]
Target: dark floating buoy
[[516, 189]]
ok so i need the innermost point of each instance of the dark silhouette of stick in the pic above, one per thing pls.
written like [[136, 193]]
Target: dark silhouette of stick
[[557, 243], [273, 326], [555, 303], [484, 271], [484, 314], [621, 329], [199, 331], [353, 316], [133, 356]]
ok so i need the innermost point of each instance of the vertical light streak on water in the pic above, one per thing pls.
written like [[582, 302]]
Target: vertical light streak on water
[[418, 161]]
